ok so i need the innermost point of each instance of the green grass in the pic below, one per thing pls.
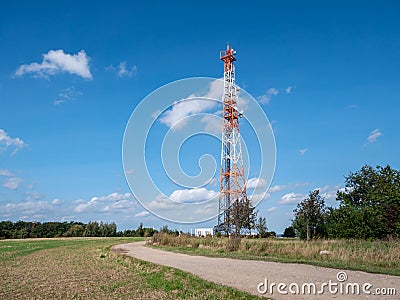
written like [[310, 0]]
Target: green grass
[[10, 249], [86, 268], [381, 257]]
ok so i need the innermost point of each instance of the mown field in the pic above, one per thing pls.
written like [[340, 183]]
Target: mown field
[[369, 256], [86, 268]]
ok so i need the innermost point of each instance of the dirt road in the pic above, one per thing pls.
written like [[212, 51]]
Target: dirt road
[[251, 276]]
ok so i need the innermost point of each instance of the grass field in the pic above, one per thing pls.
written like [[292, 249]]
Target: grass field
[[86, 268], [369, 256]]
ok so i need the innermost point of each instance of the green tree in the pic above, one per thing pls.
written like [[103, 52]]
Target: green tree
[[261, 227], [242, 216], [369, 205], [309, 215], [92, 229], [75, 230], [289, 232], [140, 230]]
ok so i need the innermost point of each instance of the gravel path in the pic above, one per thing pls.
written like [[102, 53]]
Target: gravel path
[[247, 274]]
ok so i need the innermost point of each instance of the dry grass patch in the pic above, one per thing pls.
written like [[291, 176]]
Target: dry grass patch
[[370, 256]]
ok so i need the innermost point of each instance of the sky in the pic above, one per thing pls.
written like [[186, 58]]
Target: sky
[[324, 73]]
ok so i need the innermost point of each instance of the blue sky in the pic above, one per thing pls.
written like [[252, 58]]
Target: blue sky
[[326, 74]]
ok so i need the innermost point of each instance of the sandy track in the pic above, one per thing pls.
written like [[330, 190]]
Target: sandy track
[[247, 274]]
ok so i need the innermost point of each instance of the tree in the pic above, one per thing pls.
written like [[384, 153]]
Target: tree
[[140, 230], [309, 216], [92, 229], [75, 230], [261, 227], [369, 205], [289, 232], [242, 215]]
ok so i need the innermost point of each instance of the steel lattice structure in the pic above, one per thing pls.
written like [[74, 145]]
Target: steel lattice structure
[[232, 179]]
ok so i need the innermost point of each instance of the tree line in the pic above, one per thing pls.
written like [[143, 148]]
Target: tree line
[[22, 229], [369, 208]]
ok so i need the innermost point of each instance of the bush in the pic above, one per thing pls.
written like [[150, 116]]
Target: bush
[[233, 243]]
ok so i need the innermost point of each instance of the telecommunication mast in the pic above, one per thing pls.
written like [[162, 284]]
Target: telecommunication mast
[[232, 179]]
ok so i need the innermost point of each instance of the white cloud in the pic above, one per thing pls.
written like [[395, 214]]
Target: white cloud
[[68, 218], [56, 201], [12, 183], [112, 203], [256, 183], [8, 142], [142, 214], [6, 173], [266, 98], [26, 207], [277, 188], [272, 91], [193, 105], [261, 184], [67, 95], [292, 198], [329, 192], [56, 61], [289, 89], [179, 197], [271, 209], [162, 202], [242, 104], [260, 197], [373, 136], [303, 151], [32, 196], [212, 124], [193, 195], [123, 70]]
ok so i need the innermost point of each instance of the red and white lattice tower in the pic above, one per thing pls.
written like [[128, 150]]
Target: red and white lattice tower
[[232, 179]]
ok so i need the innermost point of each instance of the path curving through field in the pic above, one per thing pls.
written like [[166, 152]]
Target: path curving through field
[[246, 275]]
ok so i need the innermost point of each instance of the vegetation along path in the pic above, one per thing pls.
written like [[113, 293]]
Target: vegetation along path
[[246, 275]]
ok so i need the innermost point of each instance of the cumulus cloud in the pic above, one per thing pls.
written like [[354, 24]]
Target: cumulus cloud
[[271, 209], [142, 214], [162, 202], [193, 105], [277, 188], [212, 124], [7, 142], [292, 198], [26, 207], [254, 183], [373, 136], [329, 192], [112, 203], [260, 197], [12, 183], [303, 151], [56, 201], [57, 61], [266, 98], [179, 197], [195, 195]]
